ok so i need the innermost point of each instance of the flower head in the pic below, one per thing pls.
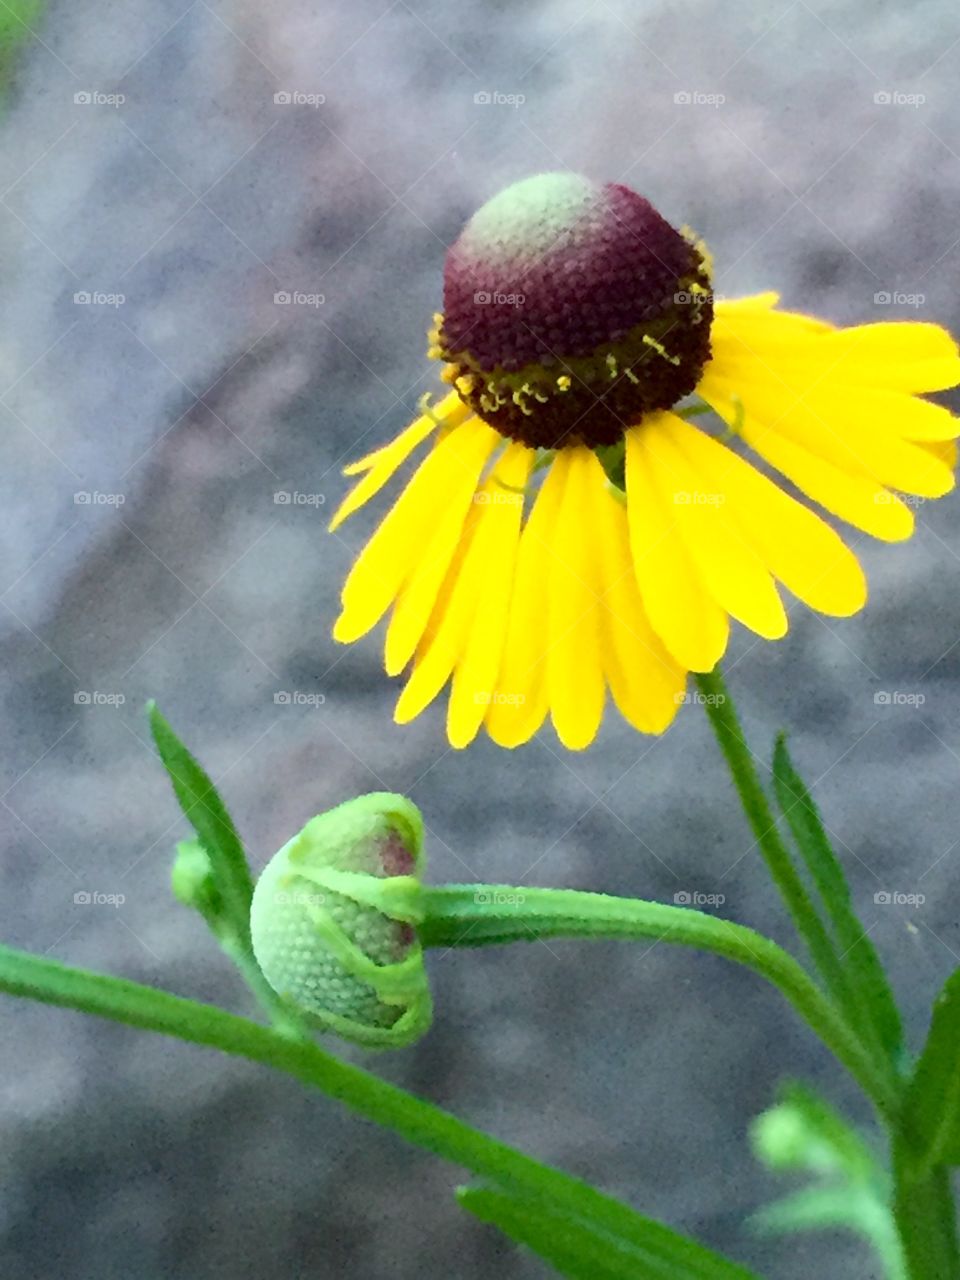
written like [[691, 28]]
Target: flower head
[[576, 526], [333, 916]]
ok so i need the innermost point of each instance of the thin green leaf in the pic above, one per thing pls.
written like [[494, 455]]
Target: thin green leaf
[[207, 814], [857, 954], [581, 1252], [931, 1115]]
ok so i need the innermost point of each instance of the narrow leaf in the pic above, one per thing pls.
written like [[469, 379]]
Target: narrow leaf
[[579, 1250], [857, 953], [931, 1116], [207, 814]]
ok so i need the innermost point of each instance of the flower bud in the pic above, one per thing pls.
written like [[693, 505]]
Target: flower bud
[[192, 881], [333, 922]]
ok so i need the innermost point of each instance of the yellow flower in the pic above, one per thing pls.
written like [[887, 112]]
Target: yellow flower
[[576, 321]]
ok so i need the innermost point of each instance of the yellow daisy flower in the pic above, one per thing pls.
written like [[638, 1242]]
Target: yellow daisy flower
[[573, 527]]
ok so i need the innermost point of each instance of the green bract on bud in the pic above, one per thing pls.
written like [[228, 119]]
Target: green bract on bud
[[333, 922]]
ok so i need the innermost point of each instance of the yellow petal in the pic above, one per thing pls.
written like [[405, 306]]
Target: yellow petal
[[449, 623], [646, 683], [476, 672], [858, 499], [683, 613], [397, 546], [798, 548], [575, 686], [905, 356], [416, 599], [381, 465], [839, 428], [519, 703], [728, 565], [755, 315]]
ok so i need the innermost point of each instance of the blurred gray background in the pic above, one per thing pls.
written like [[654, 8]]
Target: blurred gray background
[[147, 163]]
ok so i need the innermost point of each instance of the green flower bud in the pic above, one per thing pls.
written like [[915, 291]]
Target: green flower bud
[[333, 922], [192, 881]]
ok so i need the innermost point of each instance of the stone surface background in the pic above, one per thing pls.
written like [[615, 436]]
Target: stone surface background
[[198, 398]]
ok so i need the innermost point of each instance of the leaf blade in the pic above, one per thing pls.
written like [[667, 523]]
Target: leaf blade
[[858, 956]]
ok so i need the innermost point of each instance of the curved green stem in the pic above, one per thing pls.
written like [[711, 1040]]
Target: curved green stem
[[482, 914]]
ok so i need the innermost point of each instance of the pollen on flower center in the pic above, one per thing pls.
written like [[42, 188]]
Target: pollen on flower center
[[570, 310]]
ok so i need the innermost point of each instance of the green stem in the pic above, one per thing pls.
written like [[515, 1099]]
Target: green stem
[[803, 912], [482, 914], [925, 1213], [427, 1126]]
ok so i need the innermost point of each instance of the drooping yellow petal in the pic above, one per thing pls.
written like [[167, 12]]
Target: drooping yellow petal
[[476, 672], [519, 702], [728, 565], [449, 623], [856, 498], [683, 613], [415, 602], [395, 549], [798, 548], [836, 428], [381, 465], [575, 685], [645, 681]]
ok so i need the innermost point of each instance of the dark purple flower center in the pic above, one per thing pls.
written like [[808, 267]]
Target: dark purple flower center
[[572, 309]]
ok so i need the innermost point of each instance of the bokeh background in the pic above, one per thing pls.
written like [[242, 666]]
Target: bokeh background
[[149, 166]]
